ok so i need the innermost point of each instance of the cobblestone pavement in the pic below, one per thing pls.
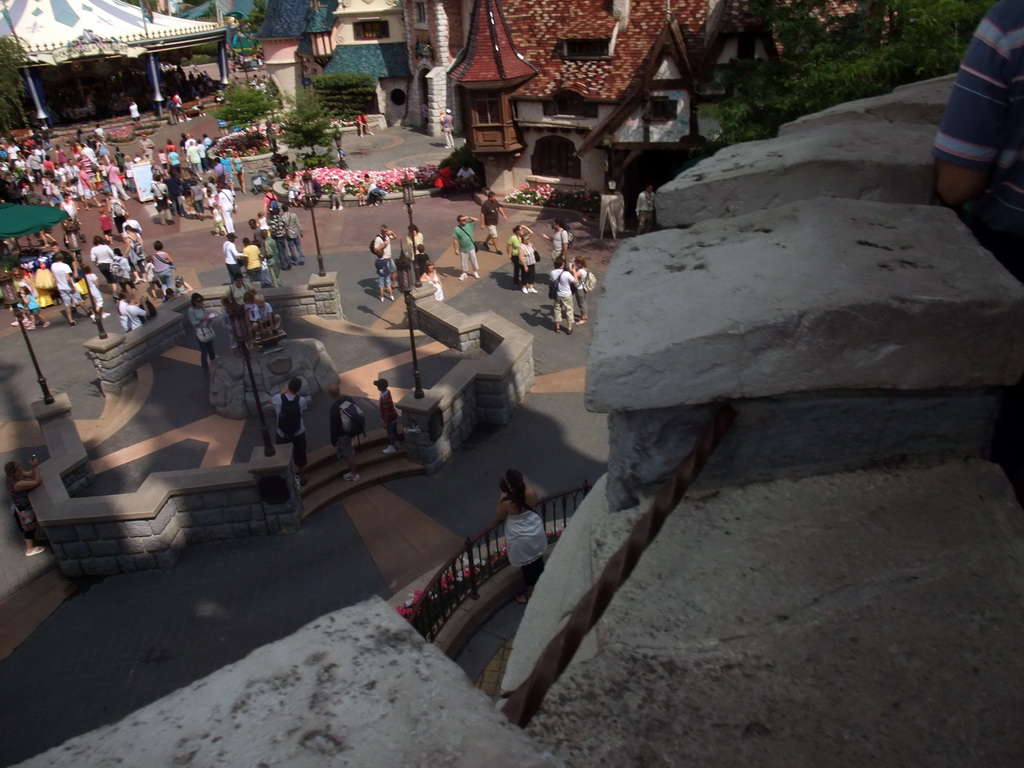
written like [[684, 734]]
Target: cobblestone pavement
[[123, 641]]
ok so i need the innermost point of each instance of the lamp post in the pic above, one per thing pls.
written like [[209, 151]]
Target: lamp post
[[11, 298], [311, 205], [243, 335], [406, 279]]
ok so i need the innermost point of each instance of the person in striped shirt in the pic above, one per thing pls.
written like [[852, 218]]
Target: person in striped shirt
[[979, 149]]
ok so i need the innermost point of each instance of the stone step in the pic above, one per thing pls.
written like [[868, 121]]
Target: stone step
[[393, 466], [324, 466]]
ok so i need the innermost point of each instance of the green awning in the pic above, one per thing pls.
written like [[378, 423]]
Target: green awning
[[21, 220]]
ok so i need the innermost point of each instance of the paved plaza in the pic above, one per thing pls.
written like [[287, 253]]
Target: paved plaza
[[120, 642]]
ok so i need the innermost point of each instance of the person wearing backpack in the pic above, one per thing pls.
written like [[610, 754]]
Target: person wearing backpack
[[279, 234], [347, 421], [560, 241], [289, 406]]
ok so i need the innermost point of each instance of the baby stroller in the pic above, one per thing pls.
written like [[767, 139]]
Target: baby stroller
[[257, 182], [376, 196]]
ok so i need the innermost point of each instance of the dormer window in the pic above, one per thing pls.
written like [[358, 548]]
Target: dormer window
[[586, 48]]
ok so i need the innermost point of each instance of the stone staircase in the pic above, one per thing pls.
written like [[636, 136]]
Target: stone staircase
[[326, 484]]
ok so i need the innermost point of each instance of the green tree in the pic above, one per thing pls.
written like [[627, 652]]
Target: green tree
[[306, 124], [244, 106], [12, 92], [346, 95], [825, 58], [257, 15]]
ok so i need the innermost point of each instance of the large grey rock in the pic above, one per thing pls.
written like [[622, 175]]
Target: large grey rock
[[871, 618], [819, 295], [357, 687], [922, 102], [858, 160], [272, 367]]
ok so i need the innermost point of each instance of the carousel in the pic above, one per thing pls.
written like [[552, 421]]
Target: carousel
[[91, 60]]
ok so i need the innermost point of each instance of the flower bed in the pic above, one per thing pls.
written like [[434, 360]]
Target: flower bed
[[585, 201], [253, 139], [390, 180], [119, 134]]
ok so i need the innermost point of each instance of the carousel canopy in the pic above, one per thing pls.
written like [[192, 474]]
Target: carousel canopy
[[21, 220], [55, 31]]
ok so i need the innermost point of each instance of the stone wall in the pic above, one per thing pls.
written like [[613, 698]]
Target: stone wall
[[212, 506], [474, 392], [102, 535], [120, 355]]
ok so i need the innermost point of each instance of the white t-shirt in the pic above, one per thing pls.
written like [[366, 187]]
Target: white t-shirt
[[231, 254], [94, 289], [133, 110], [102, 254], [385, 241], [62, 276]]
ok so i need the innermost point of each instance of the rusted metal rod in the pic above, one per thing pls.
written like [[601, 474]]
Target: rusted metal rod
[[528, 697]]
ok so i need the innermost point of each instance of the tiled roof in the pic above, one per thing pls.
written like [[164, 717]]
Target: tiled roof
[[322, 19], [537, 25], [490, 54], [380, 60], [284, 19]]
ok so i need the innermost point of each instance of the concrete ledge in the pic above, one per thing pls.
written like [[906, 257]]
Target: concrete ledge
[[845, 620], [356, 687], [876, 161], [822, 295], [922, 103]]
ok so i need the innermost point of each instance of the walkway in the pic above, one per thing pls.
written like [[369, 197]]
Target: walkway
[[123, 641]]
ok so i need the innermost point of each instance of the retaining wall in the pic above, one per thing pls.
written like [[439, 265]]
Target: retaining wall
[[474, 392]]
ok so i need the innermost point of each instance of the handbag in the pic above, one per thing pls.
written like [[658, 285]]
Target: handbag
[[205, 333], [26, 519]]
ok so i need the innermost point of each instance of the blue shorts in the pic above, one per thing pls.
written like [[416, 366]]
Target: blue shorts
[[383, 281]]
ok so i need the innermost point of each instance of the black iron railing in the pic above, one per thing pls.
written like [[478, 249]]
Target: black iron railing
[[482, 557]]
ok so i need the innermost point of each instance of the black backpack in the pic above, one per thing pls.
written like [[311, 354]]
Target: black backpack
[[290, 418], [377, 251]]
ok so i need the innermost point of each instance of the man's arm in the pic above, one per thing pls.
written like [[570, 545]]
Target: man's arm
[[955, 185]]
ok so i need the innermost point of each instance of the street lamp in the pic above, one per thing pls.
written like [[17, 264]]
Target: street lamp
[[242, 332], [406, 278], [311, 201], [11, 298]]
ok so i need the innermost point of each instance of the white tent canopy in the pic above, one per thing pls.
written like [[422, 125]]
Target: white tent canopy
[[53, 31]]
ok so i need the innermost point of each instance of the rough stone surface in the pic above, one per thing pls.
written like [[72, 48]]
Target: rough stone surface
[[273, 367], [870, 618], [922, 102], [823, 295], [357, 687], [798, 435], [859, 160]]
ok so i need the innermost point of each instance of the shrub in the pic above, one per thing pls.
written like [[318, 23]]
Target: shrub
[[346, 95], [585, 201]]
